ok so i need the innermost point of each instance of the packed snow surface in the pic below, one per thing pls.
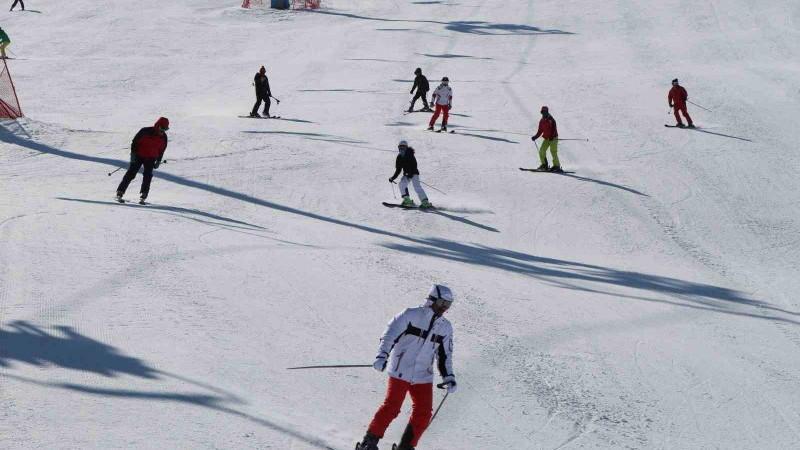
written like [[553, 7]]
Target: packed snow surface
[[648, 301]]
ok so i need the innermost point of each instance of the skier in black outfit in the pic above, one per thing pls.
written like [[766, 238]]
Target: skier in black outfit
[[422, 87], [407, 163], [262, 92], [15, 4]]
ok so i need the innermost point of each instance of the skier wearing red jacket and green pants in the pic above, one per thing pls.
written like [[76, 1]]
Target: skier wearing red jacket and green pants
[[549, 131]]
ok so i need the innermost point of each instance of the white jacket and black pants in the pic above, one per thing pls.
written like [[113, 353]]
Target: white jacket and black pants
[[414, 342]]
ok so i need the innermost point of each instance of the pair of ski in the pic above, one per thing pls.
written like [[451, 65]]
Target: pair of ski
[[358, 446], [402, 206], [123, 201], [261, 117], [441, 130], [676, 126], [542, 170]]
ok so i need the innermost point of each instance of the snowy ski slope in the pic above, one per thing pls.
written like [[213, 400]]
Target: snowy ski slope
[[647, 301]]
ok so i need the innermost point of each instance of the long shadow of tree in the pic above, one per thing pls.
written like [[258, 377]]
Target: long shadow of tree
[[553, 270], [24, 342], [468, 27]]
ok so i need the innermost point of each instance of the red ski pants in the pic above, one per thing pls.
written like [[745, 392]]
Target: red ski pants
[[440, 108], [685, 114], [421, 396]]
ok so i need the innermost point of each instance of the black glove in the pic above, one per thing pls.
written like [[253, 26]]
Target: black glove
[[671, 105], [533, 138], [391, 180], [158, 163]]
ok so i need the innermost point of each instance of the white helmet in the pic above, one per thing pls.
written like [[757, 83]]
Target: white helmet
[[440, 295]]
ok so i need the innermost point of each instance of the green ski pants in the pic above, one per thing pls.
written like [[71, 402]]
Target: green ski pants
[[552, 144]]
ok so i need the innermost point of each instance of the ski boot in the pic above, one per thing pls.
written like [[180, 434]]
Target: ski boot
[[119, 196], [691, 125], [142, 200], [427, 109], [680, 125], [405, 440], [410, 109], [430, 128], [407, 201], [370, 442], [543, 168], [254, 114], [444, 128], [555, 169], [425, 204]]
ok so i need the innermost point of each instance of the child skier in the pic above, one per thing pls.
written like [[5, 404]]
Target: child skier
[[443, 101], [677, 99], [549, 132], [147, 149], [408, 164], [422, 86], [409, 345], [15, 4]]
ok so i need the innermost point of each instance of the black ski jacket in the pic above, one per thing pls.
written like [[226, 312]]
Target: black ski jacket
[[262, 87], [421, 83], [408, 164]]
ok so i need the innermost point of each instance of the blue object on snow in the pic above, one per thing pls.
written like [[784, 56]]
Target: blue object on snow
[[280, 4]]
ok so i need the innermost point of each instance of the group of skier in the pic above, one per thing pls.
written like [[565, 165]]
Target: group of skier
[[417, 337]]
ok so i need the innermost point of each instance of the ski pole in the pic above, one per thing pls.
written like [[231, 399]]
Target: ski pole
[[440, 386], [435, 189], [695, 104], [115, 171], [339, 366], [279, 102], [586, 140], [393, 196]]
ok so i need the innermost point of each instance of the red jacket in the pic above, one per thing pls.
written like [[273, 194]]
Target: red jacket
[[149, 142], [547, 128], [678, 96]]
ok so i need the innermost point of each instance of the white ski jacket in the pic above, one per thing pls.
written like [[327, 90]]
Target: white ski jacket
[[412, 340], [443, 95]]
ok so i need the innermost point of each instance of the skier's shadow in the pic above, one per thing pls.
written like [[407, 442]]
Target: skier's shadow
[[700, 130], [605, 183], [176, 209]]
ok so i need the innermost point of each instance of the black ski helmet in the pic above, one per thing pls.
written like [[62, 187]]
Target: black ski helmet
[[418, 71], [545, 109], [446, 79]]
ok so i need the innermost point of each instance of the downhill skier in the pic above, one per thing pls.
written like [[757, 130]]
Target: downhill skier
[[409, 345]]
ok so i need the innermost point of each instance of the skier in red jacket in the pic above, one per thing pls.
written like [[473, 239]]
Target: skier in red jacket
[[677, 100], [147, 149], [548, 130]]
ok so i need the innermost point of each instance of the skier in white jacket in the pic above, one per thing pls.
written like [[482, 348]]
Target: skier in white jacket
[[412, 341], [443, 101]]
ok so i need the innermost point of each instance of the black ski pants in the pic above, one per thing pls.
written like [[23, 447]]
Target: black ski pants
[[15, 4], [422, 95], [258, 103], [148, 164]]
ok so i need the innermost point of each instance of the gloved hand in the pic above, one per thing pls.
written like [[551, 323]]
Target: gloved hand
[[411, 91], [380, 363], [671, 105], [533, 138], [452, 385], [449, 107], [155, 166], [391, 180], [133, 158]]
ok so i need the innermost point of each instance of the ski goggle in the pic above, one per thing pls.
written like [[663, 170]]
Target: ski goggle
[[440, 302]]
